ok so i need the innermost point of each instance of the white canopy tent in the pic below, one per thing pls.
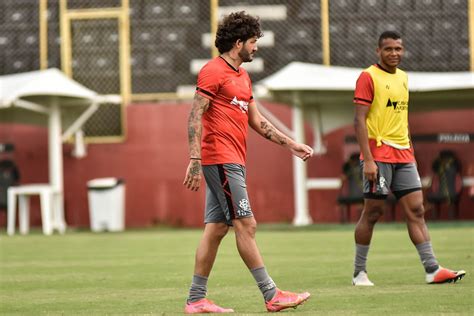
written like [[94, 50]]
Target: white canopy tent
[[323, 95], [50, 98]]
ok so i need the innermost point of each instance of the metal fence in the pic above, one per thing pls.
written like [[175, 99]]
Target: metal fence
[[169, 40], [435, 32]]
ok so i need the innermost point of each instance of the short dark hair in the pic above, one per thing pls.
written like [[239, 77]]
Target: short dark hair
[[236, 26], [388, 34]]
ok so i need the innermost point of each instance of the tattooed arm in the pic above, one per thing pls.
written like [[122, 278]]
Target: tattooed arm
[[262, 126], [193, 174]]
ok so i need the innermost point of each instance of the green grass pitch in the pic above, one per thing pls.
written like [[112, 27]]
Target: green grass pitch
[[148, 272]]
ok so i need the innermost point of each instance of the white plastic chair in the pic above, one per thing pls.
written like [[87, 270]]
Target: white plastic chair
[[52, 211]]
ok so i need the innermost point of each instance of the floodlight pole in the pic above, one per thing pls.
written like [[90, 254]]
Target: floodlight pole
[[302, 216]]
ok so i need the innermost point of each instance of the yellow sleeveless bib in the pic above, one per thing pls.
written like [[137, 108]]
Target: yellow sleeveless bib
[[387, 120]]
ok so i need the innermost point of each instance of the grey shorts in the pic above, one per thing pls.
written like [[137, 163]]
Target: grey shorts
[[399, 178], [226, 193]]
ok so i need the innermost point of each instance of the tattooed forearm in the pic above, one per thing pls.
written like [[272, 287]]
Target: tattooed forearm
[[267, 132], [191, 134], [271, 133], [199, 106]]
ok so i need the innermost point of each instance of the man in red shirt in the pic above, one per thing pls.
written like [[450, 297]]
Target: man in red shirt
[[222, 109]]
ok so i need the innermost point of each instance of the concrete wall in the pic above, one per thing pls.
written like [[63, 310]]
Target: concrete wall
[[153, 160]]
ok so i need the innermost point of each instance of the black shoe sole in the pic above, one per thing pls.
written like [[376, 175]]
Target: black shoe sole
[[453, 280]]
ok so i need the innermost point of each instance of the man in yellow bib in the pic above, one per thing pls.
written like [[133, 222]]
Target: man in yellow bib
[[387, 159]]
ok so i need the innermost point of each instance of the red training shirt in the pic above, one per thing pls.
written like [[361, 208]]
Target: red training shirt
[[225, 123]]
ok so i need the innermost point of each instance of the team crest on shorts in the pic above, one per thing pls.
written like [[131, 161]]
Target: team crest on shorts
[[244, 208], [382, 182]]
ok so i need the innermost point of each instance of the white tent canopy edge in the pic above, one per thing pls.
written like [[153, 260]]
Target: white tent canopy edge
[[49, 93]]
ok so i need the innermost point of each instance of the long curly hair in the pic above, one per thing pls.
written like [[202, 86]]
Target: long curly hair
[[236, 26]]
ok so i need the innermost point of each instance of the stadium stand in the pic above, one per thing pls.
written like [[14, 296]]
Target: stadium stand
[[369, 6], [393, 25], [177, 26], [92, 4], [168, 37], [308, 10], [400, 6], [428, 6], [341, 8]]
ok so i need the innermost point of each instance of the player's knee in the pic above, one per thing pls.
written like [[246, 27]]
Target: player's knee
[[374, 213], [417, 211], [251, 227], [247, 226], [221, 231]]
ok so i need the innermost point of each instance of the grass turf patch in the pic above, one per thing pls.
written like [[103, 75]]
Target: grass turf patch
[[148, 272]]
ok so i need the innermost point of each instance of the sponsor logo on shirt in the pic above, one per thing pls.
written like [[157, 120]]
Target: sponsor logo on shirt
[[244, 106], [398, 106]]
